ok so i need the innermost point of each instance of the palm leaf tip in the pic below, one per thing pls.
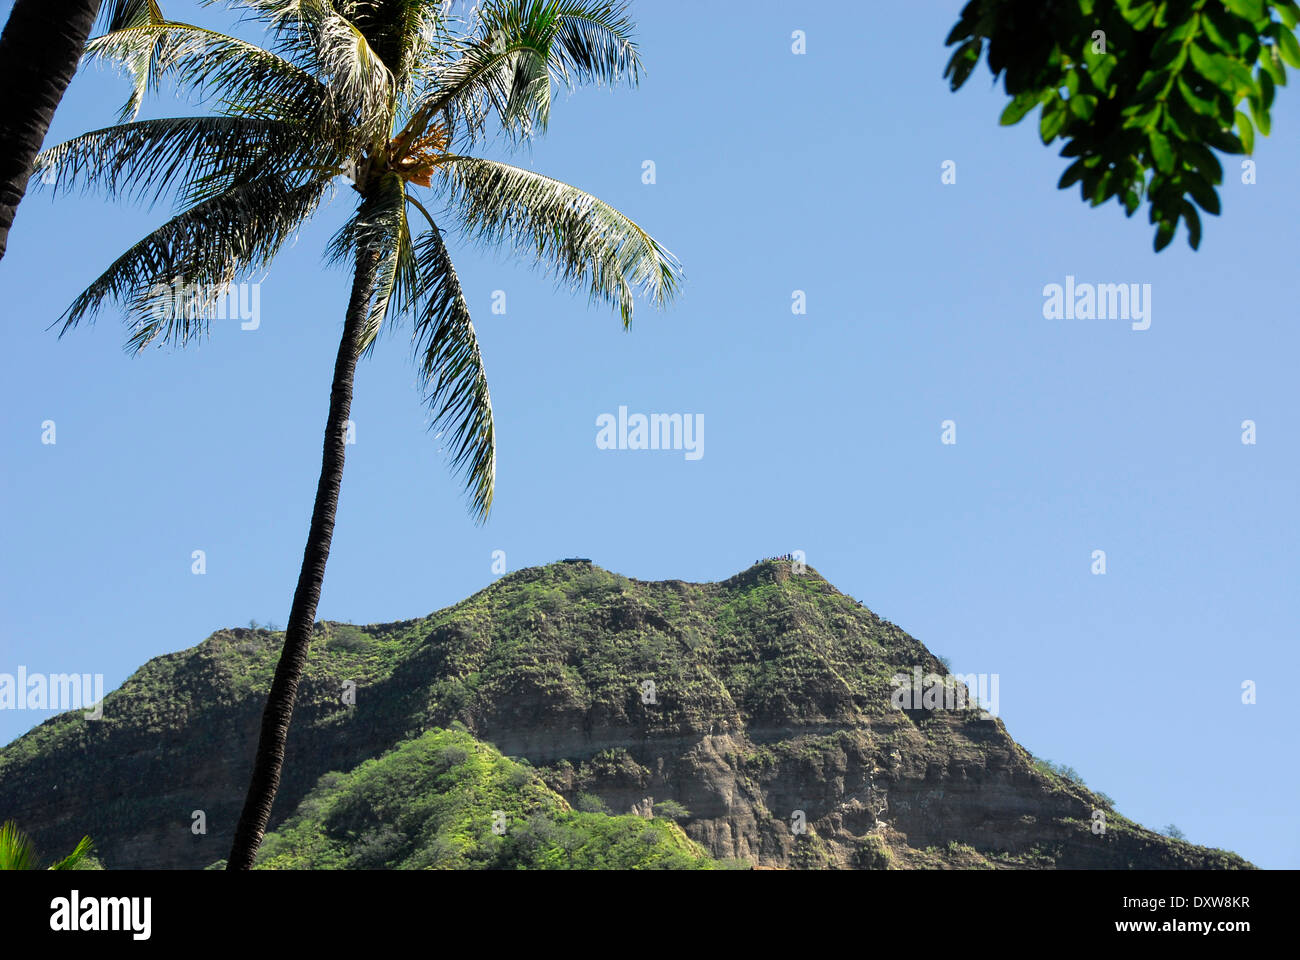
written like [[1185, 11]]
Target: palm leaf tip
[[120, 14], [452, 371], [207, 247], [78, 854], [16, 850], [585, 240], [18, 853], [579, 40], [594, 40]]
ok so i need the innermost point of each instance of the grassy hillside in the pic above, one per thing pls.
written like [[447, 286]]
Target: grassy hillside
[[445, 801]]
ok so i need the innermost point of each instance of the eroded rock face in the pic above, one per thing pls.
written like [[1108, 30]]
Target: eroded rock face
[[854, 798], [761, 704]]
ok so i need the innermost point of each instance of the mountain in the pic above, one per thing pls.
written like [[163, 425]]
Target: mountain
[[764, 705]]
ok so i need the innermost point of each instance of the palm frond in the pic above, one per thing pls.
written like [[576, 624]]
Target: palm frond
[[79, 853], [209, 64], [194, 257], [518, 47], [151, 157], [116, 14], [16, 850], [380, 225], [508, 76], [432, 45], [405, 34], [586, 41], [317, 36], [451, 370], [143, 64], [588, 241]]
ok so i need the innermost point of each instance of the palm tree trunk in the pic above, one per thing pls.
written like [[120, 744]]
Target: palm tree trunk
[[39, 51], [302, 616]]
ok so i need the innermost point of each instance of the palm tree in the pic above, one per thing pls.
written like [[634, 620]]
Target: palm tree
[[17, 852], [39, 50], [387, 94]]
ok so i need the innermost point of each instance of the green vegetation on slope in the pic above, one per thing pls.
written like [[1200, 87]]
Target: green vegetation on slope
[[446, 801]]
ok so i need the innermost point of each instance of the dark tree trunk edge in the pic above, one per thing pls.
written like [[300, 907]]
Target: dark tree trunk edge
[[302, 615], [40, 48]]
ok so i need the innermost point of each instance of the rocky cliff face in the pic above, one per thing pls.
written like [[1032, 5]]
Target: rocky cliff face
[[762, 704]]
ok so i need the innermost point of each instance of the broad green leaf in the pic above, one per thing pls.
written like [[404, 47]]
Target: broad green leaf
[[1053, 119], [1203, 194], [1203, 160], [1209, 65], [1271, 63], [1287, 46], [1193, 221], [1206, 108], [960, 31], [1140, 15], [1226, 141], [1138, 117], [1167, 53], [1072, 174], [1179, 122], [1259, 113], [1236, 33], [1165, 233], [1105, 187], [1083, 106], [1266, 89], [1252, 10], [1246, 131], [1151, 85], [1238, 73], [1161, 152], [1101, 73], [963, 62], [1217, 37], [1020, 105]]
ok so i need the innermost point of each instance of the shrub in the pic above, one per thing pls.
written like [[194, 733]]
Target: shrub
[[590, 803], [454, 756], [872, 854], [1064, 771], [671, 810], [376, 848]]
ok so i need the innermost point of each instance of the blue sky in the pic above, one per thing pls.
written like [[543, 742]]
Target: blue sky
[[775, 172]]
